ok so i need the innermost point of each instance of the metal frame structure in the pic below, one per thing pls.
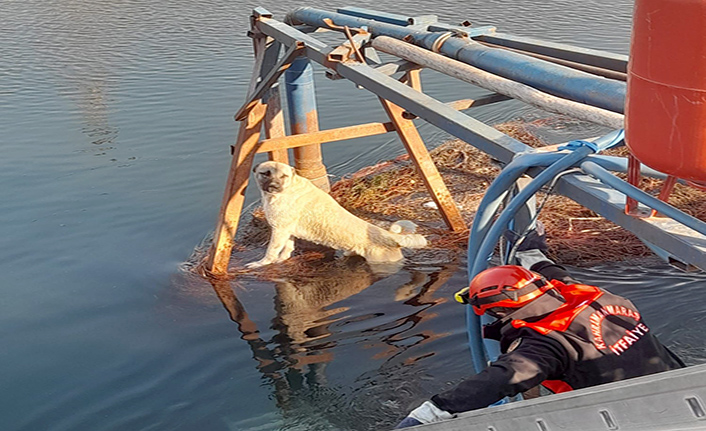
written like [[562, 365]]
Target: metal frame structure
[[573, 71]]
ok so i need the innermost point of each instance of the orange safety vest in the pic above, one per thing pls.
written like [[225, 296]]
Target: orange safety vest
[[578, 297]]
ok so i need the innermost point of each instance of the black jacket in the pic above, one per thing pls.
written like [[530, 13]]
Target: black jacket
[[575, 342]]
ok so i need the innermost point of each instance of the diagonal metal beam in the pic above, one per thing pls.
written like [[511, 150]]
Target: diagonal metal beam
[[273, 75], [476, 133]]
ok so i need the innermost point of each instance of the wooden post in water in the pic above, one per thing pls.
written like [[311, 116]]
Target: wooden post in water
[[243, 153]]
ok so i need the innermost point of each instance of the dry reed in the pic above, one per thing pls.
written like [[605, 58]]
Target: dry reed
[[393, 190]]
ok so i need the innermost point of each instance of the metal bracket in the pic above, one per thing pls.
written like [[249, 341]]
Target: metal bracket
[[350, 48], [463, 31], [423, 20], [261, 12], [371, 54]]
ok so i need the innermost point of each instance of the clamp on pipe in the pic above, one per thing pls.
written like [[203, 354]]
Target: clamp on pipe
[[436, 46], [439, 41]]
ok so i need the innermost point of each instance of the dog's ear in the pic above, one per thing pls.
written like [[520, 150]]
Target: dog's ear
[[255, 168]]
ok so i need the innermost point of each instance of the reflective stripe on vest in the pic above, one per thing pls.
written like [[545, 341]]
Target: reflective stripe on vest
[[557, 386], [577, 296]]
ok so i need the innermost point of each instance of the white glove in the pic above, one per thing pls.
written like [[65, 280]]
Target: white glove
[[527, 258], [428, 413]]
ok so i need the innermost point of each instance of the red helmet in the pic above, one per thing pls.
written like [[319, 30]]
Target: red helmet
[[508, 286]]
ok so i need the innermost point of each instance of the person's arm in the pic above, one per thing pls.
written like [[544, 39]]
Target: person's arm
[[553, 271], [534, 360]]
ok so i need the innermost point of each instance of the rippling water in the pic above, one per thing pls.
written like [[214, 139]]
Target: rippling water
[[116, 119]]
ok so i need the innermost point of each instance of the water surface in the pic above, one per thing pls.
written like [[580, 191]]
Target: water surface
[[116, 119]]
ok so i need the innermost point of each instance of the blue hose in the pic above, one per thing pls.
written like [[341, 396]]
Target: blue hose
[[484, 236], [482, 348]]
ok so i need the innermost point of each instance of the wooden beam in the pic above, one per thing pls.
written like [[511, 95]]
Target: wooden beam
[[275, 143], [414, 79], [430, 175], [330, 135], [243, 153]]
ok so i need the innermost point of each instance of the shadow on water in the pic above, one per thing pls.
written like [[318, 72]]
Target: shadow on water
[[316, 321]]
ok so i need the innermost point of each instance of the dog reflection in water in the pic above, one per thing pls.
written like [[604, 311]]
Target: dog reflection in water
[[308, 304], [295, 208], [302, 303]]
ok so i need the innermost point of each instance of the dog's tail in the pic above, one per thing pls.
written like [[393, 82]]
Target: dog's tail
[[403, 226], [404, 234]]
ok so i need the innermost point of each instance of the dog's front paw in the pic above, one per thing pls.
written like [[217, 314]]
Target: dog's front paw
[[257, 264]]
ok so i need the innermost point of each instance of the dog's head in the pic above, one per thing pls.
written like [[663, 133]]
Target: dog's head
[[273, 177]]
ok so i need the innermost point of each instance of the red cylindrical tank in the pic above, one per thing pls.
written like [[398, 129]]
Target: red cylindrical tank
[[665, 111]]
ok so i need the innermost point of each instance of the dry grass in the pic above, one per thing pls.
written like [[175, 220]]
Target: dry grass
[[393, 190]]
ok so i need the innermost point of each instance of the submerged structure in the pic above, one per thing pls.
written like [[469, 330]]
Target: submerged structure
[[582, 83]]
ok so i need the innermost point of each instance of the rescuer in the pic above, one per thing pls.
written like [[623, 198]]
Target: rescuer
[[552, 331]]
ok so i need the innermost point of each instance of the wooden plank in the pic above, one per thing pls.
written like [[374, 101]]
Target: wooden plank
[[243, 153], [430, 175], [414, 79], [275, 143], [330, 135]]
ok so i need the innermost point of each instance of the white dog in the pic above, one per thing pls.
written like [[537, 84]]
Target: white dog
[[295, 208]]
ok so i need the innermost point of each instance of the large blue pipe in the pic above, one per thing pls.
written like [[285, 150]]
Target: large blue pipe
[[558, 80], [479, 255], [301, 95], [303, 118]]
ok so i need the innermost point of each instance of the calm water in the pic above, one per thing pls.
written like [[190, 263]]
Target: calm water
[[115, 122]]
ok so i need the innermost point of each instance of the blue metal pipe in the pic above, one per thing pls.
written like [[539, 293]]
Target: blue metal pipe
[[483, 253], [303, 118], [482, 349], [514, 170], [552, 78], [301, 97]]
